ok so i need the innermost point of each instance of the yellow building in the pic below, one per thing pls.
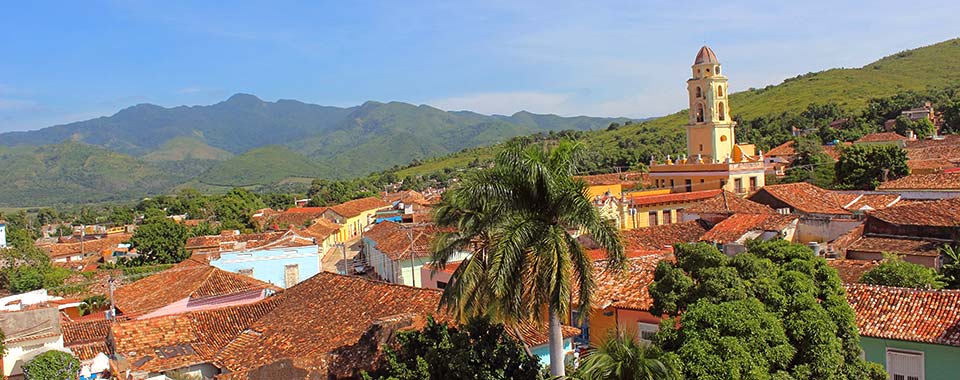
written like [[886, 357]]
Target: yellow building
[[354, 216], [714, 160]]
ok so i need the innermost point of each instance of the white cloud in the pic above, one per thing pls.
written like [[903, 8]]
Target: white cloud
[[507, 103]]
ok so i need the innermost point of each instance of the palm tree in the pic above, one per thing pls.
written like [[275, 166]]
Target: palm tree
[[623, 357], [520, 219]]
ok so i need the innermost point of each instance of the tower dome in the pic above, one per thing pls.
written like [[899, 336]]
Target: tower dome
[[705, 55]]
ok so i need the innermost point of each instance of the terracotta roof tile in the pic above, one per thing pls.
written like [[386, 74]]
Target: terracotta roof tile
[[231, 241], [881, 137], [693, 196], [534, 334], [942, 213], [850, 271], [321, 315], [783, 150], [394, 240], [189, 279], [736, 226], [657, 238], [177, 341], [321, 229], [905, 246], [867, 202], [89, 245], [84, 332], [915, 315], [297, 216], [357, 206], [627, 288], [937, 181], [806, 198], [727, 203], [834, 151]]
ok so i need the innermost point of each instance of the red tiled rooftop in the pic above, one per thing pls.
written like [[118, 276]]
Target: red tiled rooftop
[[806, 198], [915, 315], [247, 240], [910, 247], [937, 181], [657, 238], [733, 228], [89, 245], [881, 137], [783, 150], [626, 288], [355, 207], [394, 240], [942, 213], [850, 271], [647, 200], [727, 203]]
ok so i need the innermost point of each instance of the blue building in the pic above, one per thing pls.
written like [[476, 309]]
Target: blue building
[[284, 266], [3, 234]]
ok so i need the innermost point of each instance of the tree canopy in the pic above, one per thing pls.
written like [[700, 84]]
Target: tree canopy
[[477, 350], [894, 271], [773, 312], [160, 241], [52, 365], [864, 167]]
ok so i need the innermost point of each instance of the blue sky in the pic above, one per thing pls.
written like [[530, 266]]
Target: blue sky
[[71, 60]]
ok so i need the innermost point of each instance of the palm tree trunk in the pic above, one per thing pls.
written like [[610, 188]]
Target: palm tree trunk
[[556, 345]]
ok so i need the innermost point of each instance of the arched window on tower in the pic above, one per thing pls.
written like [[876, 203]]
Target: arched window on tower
[[718, 70], [699, 93], [699, 113], [721, 110], [720, 91]]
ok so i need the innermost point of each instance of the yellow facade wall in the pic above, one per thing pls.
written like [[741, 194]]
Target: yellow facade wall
[[595, 191]]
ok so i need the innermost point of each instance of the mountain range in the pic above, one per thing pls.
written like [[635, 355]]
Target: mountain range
[[242, 141]]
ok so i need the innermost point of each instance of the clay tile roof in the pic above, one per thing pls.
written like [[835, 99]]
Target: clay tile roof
[[881, 137], [850, 271], [693, 196], [728, 203], [177, 341], [357, 206], [942, 213], [627, 288], [86, 338], [915, 315], [407, 196], [320, 315], [834, 151], [657, 238], [938, 181], [807, 198], [394, 241], [904, 246], [213, 242], [867, 202], [783, 150], [737, 225], [89, 245], [320, 229], [187, 280], [297, 216], [535, 334], [705, 55]]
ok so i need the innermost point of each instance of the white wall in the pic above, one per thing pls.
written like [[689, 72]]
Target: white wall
[[20, 353]]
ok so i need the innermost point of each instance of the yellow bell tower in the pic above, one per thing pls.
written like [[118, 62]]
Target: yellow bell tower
[[709, 128]]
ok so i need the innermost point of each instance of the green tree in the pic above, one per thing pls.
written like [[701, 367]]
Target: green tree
[[624, 358], [236, 207], [922, 128], [773, 312], [517, 218], [893, 271], [811, 165], [951, 268], [52, 365], [161, 241], [477, 350], [864, 167]]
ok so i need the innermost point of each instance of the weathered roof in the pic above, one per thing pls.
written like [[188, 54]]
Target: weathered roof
[[86, 338], [705, 55], [536, 334], [88, 245], [942, 213], [867, 202], [178, 341], [915, 315], [905, 246], [189, 279], [850, 271], [726, 202], [734, 227], [937, 181], [626, 288], [693, 196], [783, 150], [805, 197], [881, 137], [395, 242], [321, 229], [318, 316], [26, 325], [657, 238], [357, 206], [246, 240]]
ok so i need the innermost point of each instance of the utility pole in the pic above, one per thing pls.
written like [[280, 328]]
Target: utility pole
[[113, 309], [413, 278]]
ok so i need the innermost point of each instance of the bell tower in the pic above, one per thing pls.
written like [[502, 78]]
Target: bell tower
[[709, 128]]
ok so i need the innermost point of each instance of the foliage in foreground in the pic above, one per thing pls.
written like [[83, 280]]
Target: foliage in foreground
[[864, 167], [894, 271], [624, 357], [477, 350], [52, 365], [774, 312]]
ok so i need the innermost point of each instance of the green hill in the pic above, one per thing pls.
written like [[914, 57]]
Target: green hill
[[187, 148], [261, 166], [934, 66]]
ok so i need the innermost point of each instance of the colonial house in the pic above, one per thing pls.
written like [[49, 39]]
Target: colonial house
[[916, 231], [188, 286], [613, 184], [87, 340], [398, 253], [824, 214], [924, 186], [230, 240], [324, 234], [660, 239], [72, 251], [776, 160], [283, 262], [913, 333], [713, 160], [292, 217], [182, 345], [28, 333], [731, 234], [644, 209], [721, 206], [355, 216]]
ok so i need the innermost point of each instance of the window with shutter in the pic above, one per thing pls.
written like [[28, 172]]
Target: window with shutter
[[905, 365], [646, 331]]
